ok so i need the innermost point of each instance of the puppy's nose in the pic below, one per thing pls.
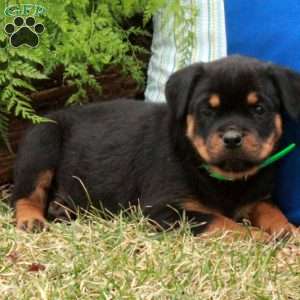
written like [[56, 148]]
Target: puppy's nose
[[232, 139]]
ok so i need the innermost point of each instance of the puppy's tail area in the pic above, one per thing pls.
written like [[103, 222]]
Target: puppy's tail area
[[36, 163]]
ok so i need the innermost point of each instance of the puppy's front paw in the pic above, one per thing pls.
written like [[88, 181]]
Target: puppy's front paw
[[283, 231], [29, 217], [32, 224], [259, 235]]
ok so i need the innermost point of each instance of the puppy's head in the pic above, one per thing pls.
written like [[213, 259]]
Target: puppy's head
[[231, 109]]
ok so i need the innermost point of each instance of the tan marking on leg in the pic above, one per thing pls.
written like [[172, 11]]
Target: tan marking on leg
[[221, 223], [243, 211], [214, 101], [225, 224], [191, 204], [268, 217], [252, 98], [30, 211]]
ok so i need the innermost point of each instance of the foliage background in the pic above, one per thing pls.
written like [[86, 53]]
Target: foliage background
[[82, 37]]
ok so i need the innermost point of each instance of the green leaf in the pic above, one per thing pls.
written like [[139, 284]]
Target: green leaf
[[82, 38], [17, 82]]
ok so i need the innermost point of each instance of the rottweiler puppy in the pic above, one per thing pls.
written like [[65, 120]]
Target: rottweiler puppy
[[223, 117]]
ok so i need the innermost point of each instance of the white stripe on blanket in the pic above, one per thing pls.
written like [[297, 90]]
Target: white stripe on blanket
[[209, 43]]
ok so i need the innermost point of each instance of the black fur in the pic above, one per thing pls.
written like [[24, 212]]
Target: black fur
[[133, 153]]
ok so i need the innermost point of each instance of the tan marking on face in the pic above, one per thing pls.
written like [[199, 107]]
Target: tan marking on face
[[196, 140], [278, 125], [32, 208], [267, 147], [250, 143], [252, 98], [215, 145], [269, 144], [214, 101], [190, 126], [253, 146], [201, 148]]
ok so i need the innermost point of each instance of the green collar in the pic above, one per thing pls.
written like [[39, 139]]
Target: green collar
[[265, 163]]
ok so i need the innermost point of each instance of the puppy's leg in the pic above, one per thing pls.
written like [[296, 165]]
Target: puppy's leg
[[204, 220], [216, 222], [268, 217], [30, 210], [38, 158]]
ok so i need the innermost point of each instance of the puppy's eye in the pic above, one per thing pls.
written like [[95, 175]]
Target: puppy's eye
[[259, 109], [208, 112]]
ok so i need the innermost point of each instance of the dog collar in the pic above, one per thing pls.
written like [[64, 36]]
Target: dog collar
[[264, 164]]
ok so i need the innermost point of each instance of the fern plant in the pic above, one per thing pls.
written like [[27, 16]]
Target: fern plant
[[82, 36], [17, 70]]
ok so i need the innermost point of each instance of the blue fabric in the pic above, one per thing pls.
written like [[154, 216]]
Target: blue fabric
[[270, 30]]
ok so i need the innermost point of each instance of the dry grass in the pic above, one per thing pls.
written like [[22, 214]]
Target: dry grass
[[125, 259]]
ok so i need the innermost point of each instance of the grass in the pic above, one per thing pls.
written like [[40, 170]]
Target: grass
[[124, 258]]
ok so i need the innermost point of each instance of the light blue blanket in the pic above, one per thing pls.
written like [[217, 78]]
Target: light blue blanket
[[270, 30], [267, 30]]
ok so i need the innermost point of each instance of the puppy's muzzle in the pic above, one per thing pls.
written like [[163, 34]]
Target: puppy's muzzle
[[232, 138]]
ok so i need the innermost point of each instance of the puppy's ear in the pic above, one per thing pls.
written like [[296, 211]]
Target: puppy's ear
[[287, 83], [180, 86]]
